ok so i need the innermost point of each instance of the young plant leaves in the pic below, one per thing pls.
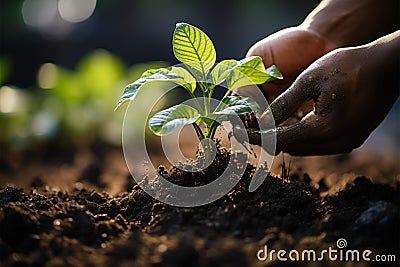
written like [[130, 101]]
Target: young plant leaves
[[237, 105], [248, 75], [274, 72], [222, 70], [167, 120], [176, 75], [231, 105], [225, 67], [194, 48]]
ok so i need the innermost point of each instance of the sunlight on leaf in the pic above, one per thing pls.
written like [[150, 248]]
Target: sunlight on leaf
[[236, 105], [225, 67], [247, 75], [194, 48], [176, 75], [274, 71], [231, 105], [187, 81], [166, 121]]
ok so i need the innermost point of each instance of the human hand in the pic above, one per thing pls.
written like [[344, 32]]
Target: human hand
[[291, 50], [352, 89], [332, 24]]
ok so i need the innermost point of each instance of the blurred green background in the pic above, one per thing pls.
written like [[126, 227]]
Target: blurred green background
[[64, 63]]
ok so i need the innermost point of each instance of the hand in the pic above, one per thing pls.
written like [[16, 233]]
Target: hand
[[352, 89], [291, 50], [332, 24]]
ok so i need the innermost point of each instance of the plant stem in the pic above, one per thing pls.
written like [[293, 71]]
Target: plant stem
[[212, 130], [214, 125], [206, 97], [207, 149], [196, 102], [206, 145], [199, 133], [220, 103]]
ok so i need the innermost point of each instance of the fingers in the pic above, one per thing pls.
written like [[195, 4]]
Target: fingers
[[319, 147], [310, 136], [305, 88], [288, 136], [313, 135]]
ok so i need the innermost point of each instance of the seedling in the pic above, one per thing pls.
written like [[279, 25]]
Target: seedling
[[196, 51]]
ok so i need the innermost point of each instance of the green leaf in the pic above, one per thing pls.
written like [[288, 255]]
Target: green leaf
[[231, 105], [194, 48], [186, 80], [225, 67], [236, 105], [165, 121], [222, 70], [246, 75], [210, 118], [176, 75], [274, 72]]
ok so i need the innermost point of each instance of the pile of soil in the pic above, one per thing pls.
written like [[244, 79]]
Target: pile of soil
[[46, 226]]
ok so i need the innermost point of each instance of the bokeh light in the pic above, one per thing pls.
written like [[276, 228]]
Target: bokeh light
[[76, 10], [44, 124], [55, 18], [11, 100], [39, 13], [47, 75]]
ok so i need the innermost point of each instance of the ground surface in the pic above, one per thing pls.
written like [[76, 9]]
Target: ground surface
[[89, 212]]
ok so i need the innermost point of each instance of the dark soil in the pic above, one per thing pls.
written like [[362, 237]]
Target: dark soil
[[45, 226]]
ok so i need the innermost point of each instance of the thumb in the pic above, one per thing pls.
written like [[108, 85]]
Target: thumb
[[304, 88], [295, 138]]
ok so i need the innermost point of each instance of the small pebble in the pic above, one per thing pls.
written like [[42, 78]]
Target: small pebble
[[310, 78], [379, 214], [36, 237], [333, 96], [78, 186], [57, 223], [162, 248]]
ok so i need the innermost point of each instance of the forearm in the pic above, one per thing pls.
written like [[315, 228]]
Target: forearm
[[353, 22]]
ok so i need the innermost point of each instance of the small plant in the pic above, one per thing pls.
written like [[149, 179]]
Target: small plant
[[195, 49]]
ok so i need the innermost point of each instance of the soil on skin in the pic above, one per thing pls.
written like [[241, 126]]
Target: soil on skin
[[45, 226]]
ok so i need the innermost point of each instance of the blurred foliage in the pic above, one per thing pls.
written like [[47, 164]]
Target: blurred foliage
[[74, 106], [5, 69]]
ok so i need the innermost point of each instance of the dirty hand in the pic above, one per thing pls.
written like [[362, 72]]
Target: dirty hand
[[352, 89], [332, 24]]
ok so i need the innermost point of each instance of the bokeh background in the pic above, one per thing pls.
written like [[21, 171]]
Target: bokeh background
[[63, 31], [64, 64]]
